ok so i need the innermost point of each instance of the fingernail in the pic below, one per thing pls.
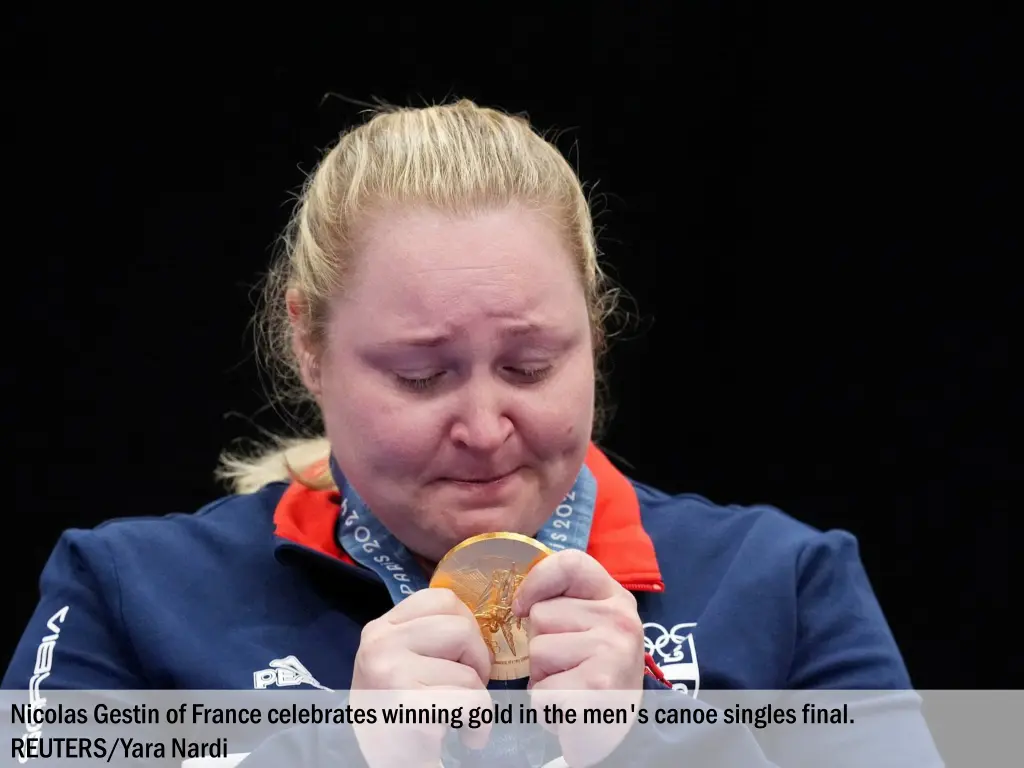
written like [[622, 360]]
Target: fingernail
[[517, 607]]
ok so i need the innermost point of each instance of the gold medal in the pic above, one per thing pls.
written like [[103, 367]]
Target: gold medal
[[484, 572]]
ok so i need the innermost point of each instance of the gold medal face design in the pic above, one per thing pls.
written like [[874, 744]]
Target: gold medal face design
[[485, 572]]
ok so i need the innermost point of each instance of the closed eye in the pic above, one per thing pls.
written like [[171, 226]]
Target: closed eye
[[420, 383], [521, 375], [529, 375]]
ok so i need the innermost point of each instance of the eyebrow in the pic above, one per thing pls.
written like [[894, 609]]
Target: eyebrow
[[434, 340], [425, 341]]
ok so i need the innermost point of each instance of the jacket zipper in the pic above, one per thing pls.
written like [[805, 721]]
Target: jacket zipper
[[646, 587]]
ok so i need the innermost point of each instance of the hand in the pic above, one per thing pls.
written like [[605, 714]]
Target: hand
[[425, 651], [585, 636]]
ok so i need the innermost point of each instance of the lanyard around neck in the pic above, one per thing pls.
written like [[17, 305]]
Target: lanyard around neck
[[369, 543]]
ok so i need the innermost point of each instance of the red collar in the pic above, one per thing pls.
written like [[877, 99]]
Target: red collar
[[617, 538]]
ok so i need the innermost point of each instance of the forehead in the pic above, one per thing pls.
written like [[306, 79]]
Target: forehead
[[426, 266]]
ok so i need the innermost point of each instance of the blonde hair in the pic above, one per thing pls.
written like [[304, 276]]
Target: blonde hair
[[457, 157]]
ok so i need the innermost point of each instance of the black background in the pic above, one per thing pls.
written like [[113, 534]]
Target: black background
[[815, 212]]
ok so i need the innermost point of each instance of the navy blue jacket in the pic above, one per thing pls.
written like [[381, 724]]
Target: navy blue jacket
[[252, 591]]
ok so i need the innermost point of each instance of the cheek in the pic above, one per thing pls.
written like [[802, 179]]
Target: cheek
[[563, 415], [375, 430]]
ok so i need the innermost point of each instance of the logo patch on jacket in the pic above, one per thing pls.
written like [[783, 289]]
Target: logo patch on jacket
[[284, 673], [675, 654]]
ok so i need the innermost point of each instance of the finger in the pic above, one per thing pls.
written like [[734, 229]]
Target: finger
[[552, 654], [457, 704], [449, 638], [442, 673], [446, 693], [566, 614], [554, 691], [569, 573], [583, 742], [434, 601]]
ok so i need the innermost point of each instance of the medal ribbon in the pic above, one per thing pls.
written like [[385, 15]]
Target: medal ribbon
[[373, 546]]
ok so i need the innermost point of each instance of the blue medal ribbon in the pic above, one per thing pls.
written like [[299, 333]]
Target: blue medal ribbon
[[373, 546]]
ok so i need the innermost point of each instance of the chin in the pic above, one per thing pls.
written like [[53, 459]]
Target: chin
[[468, 523]]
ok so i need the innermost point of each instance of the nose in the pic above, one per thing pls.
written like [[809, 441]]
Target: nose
[[482, 422]]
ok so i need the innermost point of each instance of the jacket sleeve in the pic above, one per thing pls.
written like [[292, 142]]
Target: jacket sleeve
[[843, 643], [843, 639], [77, 641], [76, 638], [310, 746]]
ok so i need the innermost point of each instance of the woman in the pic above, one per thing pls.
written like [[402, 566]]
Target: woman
[[441, 302]]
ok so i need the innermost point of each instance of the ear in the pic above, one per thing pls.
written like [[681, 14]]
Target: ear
[[305, 351]]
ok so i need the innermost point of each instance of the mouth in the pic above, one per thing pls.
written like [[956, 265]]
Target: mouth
[[479, 480]]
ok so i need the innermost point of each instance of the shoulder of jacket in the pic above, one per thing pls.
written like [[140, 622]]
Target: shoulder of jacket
[[666, 515], [227, 516]]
